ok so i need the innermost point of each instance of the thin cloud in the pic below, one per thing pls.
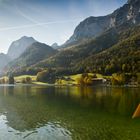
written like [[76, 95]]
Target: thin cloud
[[37, 24], [24, 15]]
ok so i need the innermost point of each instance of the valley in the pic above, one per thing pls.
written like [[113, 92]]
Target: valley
[[70, 70], [107, 45]]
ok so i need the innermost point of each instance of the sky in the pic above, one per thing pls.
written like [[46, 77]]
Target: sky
[[48, 21]]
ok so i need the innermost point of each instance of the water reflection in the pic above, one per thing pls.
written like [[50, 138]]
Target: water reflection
[[36, 112]]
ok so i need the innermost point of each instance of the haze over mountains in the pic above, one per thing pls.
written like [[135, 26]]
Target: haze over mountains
[[91, 43], [15, 50], [34, 53]]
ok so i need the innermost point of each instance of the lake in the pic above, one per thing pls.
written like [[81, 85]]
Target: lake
[[68, 113]]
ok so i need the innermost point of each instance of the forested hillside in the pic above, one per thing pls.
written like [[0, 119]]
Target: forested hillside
[[122, 57], [99, 54], [113, 49]]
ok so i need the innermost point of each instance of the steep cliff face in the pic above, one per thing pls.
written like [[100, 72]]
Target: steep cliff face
[[134, 11], [94, 26], [33, 54], [19, 46], [90, 27], [130, 13]]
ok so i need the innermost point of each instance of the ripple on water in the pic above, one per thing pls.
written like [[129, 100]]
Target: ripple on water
[[51, 131]]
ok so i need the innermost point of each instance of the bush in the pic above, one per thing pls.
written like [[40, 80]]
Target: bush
[[2, 81], [28, 80], [85, 79], [11, 79], [46, 76], [114, 81], [122, 78], [23, 81]]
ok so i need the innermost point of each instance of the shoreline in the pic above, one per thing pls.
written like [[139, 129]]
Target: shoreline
[[70, 85]]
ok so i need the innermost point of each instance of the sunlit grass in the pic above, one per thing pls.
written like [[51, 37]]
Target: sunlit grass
[[73, 78], [24, 76], [66, 80], [39, 83]]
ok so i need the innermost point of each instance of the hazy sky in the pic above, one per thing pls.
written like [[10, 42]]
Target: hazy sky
[[47, 21]]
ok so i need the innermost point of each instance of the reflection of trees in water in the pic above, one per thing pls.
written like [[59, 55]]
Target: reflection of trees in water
[[31, 107], [7, 90], [10, 90], [26, 111], [128, 101], [114, 100], [119, 100]]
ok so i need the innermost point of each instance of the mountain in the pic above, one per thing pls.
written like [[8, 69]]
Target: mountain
[[90, 27], [55, 46], [92, 48], [95, 26], [123, 56], [33, 54], [19, 46], [109, 53], [4, 60]]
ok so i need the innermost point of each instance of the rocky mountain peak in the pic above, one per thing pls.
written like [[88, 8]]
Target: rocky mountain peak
[[19, 46], [90, 27], [132, 1], [27, 38], [94, 26], [55, 46]]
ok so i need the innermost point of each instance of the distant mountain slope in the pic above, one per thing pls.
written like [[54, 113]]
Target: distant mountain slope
[[68, 57], [55, 46], [76, 58], [95, 26], [124, 56], [33, 54], [19, 46], [95, 44], [90, 27], [4, 60]]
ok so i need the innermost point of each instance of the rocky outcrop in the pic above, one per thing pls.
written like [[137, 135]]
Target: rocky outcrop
[[94, 26], [19, 46]]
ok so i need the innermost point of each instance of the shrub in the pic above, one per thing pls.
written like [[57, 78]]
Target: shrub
[[28, 80], [23, 81], [46, 76], [11, 79], [2, 81], [85, 79]]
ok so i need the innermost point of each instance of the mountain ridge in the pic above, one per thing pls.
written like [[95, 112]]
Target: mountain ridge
[[34, 53], [120, 25], [95, 26], [19, 46]]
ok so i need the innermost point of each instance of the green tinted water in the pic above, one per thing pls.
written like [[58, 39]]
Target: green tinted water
[[68, 113]]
